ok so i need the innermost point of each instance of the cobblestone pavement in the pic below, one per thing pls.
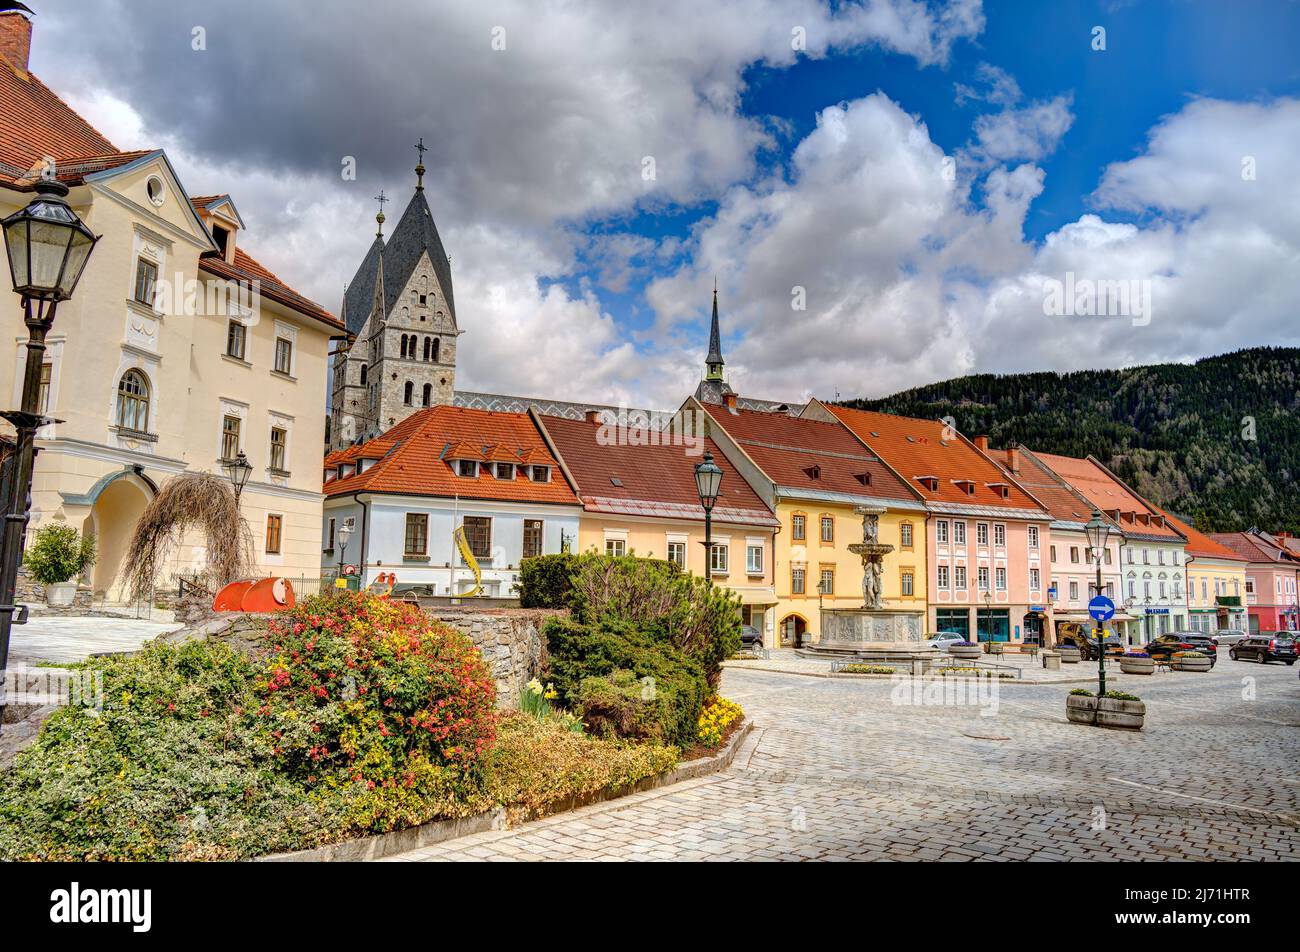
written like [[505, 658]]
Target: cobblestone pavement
[[787, 661], [836, 770], [64, 638]]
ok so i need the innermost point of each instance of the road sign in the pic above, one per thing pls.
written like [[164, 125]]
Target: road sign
[[1101, 608]]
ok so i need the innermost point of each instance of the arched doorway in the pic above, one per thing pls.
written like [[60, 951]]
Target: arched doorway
[[112, 519], [793, 631]]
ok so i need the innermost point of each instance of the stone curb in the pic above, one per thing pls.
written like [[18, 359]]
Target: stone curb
[[440, 831]]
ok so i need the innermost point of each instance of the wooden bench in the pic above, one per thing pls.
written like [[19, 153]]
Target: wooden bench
[[1018, 647]]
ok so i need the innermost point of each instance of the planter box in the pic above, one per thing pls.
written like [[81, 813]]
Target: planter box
[[1120, 715], [1190, 664], [1080, 709], [967, 652], [1069, 655], [60, 594], [1137, 665]]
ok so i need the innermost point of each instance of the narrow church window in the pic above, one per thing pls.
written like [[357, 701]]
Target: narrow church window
[[408, 393], [363, 375], [428, 393], [422, 300], [428, 348], [436, 348]]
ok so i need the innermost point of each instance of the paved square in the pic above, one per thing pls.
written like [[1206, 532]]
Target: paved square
[[836, 770]]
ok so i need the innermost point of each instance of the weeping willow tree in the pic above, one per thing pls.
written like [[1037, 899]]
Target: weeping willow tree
[[189, 501]]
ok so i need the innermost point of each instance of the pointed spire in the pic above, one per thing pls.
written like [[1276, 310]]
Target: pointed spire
[[379, 218], [713, 362], [421, 148]]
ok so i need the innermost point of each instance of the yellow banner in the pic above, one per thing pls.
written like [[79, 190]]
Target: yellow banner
[[462, 544]]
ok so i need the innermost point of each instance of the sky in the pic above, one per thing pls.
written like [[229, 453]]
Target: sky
[[887, 192]]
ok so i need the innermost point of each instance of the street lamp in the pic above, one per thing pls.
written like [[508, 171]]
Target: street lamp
[[48, 247], [238, 470], [345, 532], [1097, 530], [708, 479]]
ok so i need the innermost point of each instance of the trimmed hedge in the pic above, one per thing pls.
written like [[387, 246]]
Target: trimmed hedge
[[545, 581]]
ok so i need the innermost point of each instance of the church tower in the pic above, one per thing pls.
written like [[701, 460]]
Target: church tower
[[402, 315], [713, 388]]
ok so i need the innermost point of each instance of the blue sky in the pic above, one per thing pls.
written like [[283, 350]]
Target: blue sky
[[821, 171]]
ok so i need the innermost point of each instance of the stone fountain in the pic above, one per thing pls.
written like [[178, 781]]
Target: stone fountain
[[873, 631]]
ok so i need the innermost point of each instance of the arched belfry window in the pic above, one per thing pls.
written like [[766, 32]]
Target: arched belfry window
[[428, 393], [133, 402], [436, 348], [408, 393]]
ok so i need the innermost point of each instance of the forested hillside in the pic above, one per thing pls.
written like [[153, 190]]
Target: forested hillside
[[1217, 441]]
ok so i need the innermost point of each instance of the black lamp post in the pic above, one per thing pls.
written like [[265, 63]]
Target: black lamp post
[[48, 247], [345, 533], [1097, 530], [708, 479], [238, 470]]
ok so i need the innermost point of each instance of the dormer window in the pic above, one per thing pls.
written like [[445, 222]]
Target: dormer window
[[814, 472], [931, 483], [1002, 489], [863, 478], [467, 468], [504, 470], [540, 474], [222, 237], [965, 485]]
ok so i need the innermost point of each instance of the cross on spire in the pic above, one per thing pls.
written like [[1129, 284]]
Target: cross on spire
[[421, 148], [381, 198]]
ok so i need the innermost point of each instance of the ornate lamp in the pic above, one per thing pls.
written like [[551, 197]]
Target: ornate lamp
[[237, 471], [708, 480]]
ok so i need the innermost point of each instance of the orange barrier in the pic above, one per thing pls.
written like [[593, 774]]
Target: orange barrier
[[256, 595], [383, 584]]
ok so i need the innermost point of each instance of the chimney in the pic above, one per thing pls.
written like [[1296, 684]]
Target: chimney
[[1013, 458], [15, 38], [593, 416], [729, 401], [982, 443]]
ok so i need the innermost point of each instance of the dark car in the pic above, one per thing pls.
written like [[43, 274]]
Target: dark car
[[750, 637], [1166, 645], [1265, 647], [1087, 643]]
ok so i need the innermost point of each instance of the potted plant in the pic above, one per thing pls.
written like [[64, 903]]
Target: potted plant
[[1137, 662], [57, 555], [1081, 706], [1189, 661], [1069, 652], [967, 650]]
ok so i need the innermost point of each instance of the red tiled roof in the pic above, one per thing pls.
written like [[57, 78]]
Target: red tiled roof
[[1059, 500], [1198, 543], [413, 458], [246, 268], [1253, 547], [656, 481], [787, 449], [1109, 495], [918, 448]]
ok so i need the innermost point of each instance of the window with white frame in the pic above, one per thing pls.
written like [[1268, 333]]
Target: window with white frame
[[941, 530], [959, 577], [942, 576], [999, 535], [133, 402], [983, 577], [236, 340], [719, 556], [1033, 537], [284, 356], [1000, 578], [754, 558], [959, 533], [1034, 580], [677, 554], [981, 533], [279, 449], [616, 547]]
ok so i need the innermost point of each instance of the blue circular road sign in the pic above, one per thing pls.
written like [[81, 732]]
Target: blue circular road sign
[[1101, 608]]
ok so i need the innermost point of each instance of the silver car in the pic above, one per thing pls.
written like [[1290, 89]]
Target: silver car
[[943, 639], [1228, 636]]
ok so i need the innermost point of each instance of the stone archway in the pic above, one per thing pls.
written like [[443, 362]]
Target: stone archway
[[112, 519]]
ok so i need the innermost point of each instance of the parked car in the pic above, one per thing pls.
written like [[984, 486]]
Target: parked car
[[1226, 637], [1165, 646], [1086, 641], [943, 639], [750, 637], [1265, 647]]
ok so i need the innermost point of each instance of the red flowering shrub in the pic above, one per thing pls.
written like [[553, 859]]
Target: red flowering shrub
[[361, 690]]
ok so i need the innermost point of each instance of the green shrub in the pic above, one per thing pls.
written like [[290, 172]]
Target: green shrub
[[1121, 696], [58, 554], [545, 581], [580, 652]]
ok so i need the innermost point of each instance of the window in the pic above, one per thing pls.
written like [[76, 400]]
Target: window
[[133, 402], [754, 558], [1105, 553], [719, 554], [426, 395], [532, 538], [43, 395], [828, 528], [999, 535], [905, 535], [363, 375], [417, 534], [408, 392], [941, 530], [478, 533], [329, 535], [1000, 578], [959, 533], [539, 474], [1074, 591], [236, 340], [796, 581], [797, 532], [274, 528], [981, 533], [283, 356], [229, 437], [222, 237], [1074, 553], [467, 468], [1033, 537], [943, 576], [959, 577], [677, 554], [436, 347], [1051, 551], [615, 547], [1034, 580], [505, 471], [826, 585], [279, 441], [983, 577], [907, 579], [146, 277]]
